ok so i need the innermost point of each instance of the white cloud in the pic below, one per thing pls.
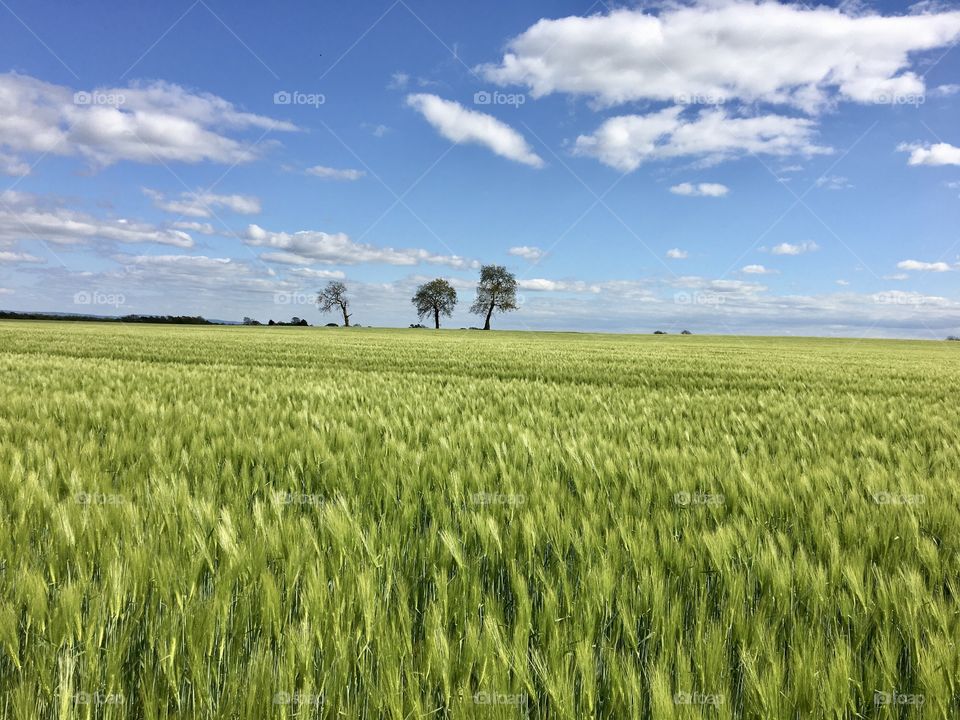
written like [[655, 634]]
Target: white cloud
[[318, 274], [843, 283], [946, 90], [7, 256], [627, 141], [334, 173], [677, 254], [700, 190], [310, 246], [786, 248], [723, 50], [13, 166], [197, 227], [897, 276], [203, 204], [936, 154], [733, 287], [544, 285], [398, 81], [758, 270], [184, 274], [24, 217], [460, 125], [833, 182], [159, 122], [533, 254], [923, 266]]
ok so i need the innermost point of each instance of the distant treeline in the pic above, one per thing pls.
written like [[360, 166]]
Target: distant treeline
[[154, 319]]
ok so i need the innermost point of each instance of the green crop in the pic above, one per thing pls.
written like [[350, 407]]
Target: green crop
[[254, 522]]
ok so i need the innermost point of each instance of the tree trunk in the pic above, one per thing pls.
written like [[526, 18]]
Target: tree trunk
[[346, 318], [486, 324], [436, 316]]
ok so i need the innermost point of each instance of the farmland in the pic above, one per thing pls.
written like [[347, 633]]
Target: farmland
[[299, 522]]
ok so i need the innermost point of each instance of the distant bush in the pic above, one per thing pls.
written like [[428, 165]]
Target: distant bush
[[953, 338], [686, 332], [332, 325], [659, 332]]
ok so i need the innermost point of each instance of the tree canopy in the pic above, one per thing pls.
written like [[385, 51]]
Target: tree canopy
[[497, 292], [334, 296], [435, 298]]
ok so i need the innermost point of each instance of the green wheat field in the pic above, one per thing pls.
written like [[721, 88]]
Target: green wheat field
[[238, 522]]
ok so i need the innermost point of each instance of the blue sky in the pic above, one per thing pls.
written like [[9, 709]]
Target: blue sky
[[726, 167]]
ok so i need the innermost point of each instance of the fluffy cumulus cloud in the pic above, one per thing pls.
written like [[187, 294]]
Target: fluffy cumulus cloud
[[310, 246], [627, 141], [330, 173], [27, 217], [677, 254], [936, 154], [758, 270], [460, 125], [204, 204], [158, 122], [700, 189], [923, 266], [786, 248], [726, 50], [533, 254]]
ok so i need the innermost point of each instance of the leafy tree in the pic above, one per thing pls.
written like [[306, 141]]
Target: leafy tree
[[436, 298], [497, 291], [334, 295]]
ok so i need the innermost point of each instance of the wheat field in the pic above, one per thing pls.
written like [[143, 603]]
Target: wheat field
[[244, 523]]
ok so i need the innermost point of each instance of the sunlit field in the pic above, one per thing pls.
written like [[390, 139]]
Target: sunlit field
[[354, 523]]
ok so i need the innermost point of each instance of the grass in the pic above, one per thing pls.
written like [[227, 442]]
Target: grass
[[250, 523]]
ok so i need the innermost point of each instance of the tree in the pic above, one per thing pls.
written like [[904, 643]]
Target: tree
[[334, 295], [436, 298], [497, 291]]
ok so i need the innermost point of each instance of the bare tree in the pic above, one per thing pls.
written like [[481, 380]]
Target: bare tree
[[436, 298], [497, 291], [334, 295]]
